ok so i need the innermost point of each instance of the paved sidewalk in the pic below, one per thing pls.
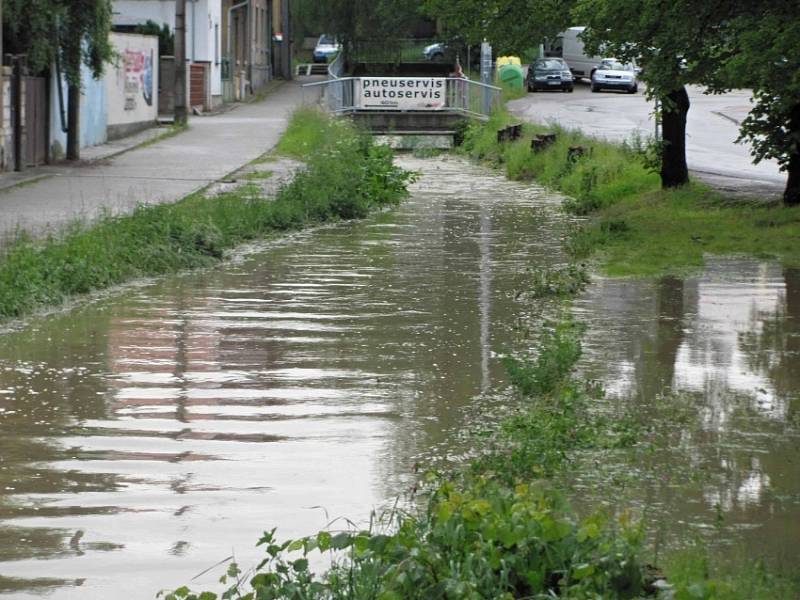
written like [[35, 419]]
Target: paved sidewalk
[[162, 172]]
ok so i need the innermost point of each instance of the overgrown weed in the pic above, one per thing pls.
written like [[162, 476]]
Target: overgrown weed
[[665, 231], [346, 176]]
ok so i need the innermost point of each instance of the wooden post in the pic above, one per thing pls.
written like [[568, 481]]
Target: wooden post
[[181, 112]]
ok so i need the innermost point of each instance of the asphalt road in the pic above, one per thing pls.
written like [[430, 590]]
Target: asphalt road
[[712, 129]]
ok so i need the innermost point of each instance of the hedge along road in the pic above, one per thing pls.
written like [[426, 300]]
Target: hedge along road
[[165, 171], [712, 129]]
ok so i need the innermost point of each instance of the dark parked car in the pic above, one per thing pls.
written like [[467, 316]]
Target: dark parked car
[[549, 74]]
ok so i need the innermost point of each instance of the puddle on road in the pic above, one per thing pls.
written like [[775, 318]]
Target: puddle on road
[[145, 436], [711, 364]]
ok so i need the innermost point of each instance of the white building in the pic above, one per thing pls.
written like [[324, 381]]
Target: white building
[[203, 38]]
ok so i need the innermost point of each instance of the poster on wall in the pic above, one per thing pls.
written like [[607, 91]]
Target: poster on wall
[[138, 77], [401, 93]]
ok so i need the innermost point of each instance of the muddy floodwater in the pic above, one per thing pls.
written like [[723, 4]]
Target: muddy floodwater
[[149, 435]]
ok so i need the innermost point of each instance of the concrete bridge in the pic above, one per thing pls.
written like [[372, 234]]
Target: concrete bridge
[[406, 102]]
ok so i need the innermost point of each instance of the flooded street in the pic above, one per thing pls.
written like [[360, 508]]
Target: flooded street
[[147, 436], [711, 365]]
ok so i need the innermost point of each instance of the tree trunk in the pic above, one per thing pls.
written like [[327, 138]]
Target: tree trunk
[[74, 122], [791, 195], [674, 171]]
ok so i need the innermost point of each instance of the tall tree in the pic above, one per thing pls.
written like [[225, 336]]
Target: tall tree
[[76, 31], [676, 42], [181, 101], [764, 42]]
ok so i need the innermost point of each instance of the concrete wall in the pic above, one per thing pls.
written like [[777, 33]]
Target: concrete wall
[[6, 133], [93, 116], [203, 29], [132, 84]]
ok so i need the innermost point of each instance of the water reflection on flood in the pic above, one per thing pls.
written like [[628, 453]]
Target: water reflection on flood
[[712, 362], [145, 437]]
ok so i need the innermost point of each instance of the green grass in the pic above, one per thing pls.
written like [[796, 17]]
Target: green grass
[[307, 133], [346, 177], [670, 231], [636, 227], [697, 576]]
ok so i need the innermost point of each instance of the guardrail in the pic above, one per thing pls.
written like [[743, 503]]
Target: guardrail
[[470, 98], [336, 66]]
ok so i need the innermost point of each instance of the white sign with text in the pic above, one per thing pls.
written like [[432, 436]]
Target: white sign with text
[[401, 93]]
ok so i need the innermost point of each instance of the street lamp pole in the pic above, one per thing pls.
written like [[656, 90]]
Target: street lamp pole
[[181, 113]]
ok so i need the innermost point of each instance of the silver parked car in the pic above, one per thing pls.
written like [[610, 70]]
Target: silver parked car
[[326, 47], [612, 74]]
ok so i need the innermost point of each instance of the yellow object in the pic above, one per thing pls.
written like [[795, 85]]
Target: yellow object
[[508, 60]]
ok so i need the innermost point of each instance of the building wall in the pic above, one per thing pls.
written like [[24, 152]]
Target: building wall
[[203, 25], [93, 115], [132, 84], [261, 43], [249, 50]]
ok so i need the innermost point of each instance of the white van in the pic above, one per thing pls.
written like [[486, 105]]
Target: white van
[[569, 46]]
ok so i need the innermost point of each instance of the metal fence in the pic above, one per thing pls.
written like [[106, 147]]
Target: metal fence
[[470, 98], [392, 51]]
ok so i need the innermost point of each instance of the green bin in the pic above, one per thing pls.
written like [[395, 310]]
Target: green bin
[[512, 76]]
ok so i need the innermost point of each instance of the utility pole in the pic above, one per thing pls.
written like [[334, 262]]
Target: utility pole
[[181, 113], [286, 25], [1, 44], [73, 121]]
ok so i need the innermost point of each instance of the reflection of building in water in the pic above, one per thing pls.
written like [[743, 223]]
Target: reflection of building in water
[[746, 489], [152, 354], [724, 347], [731, 302]]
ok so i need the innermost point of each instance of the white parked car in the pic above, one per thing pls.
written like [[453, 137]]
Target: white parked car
[[611, 74]]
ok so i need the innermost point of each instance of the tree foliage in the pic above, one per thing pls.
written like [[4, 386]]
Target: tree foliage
[[166, 38], [512, 26], [77, 29], [359, 19], [676, 43], [765, 56]]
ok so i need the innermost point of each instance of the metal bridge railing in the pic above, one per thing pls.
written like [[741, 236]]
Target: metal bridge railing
[[470, 98]]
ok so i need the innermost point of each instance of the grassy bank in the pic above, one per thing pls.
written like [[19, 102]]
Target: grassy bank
[[636, 228], [346, 177]]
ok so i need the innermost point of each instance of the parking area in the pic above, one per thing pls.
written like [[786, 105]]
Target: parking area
[[712, 129]]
